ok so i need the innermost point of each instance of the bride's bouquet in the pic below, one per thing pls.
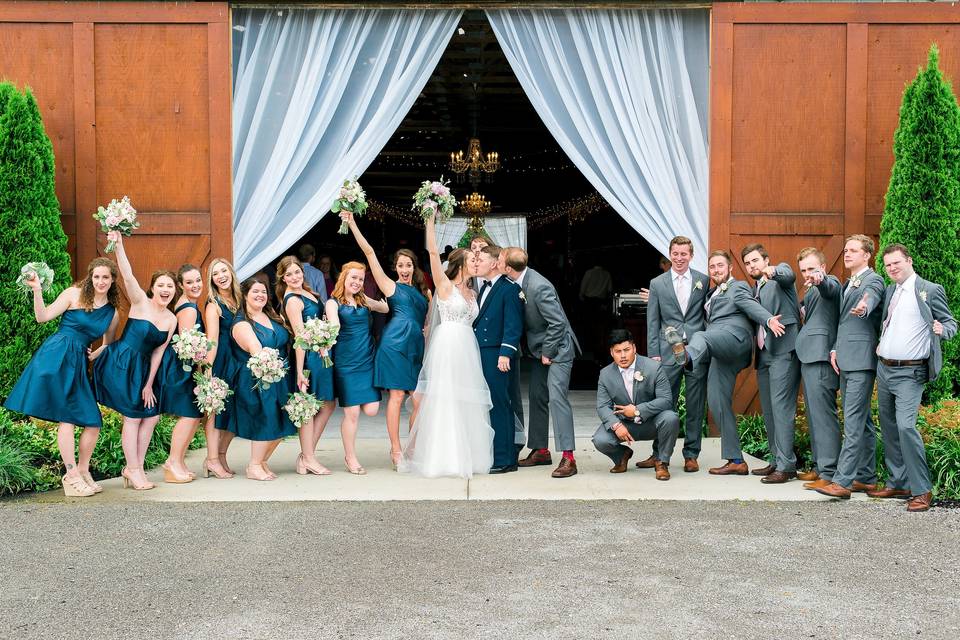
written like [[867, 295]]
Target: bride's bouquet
[[43, 272], [351, 198], [120, 216], [192, 347], [301, 407], [318, 335], [267, 368], [434, 200], [212, 393]]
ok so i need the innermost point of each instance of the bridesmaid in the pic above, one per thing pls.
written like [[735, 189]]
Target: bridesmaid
[[299, 305], [178, 398], [54, 385], [353, 356], [223, 302], [399, 357], [258, 414], [124, 375]]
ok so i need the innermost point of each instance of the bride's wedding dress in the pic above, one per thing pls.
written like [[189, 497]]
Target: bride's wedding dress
[[451, 435]]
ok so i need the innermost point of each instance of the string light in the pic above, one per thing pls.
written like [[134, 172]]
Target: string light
[[575, 210]]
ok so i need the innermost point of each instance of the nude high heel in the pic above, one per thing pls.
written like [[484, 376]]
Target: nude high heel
[[97, 488], [129, 482], [257, 472], [357, 470], [75, 487], [222, 473]]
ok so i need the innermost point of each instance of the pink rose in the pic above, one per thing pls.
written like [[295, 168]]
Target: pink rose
[[112, 220], [437, 188]]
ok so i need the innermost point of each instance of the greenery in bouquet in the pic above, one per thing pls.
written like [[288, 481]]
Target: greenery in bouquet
[[350, 198], [192, 347], [212, 393], [120, 216], [267, 368], [434, 200], [318, 335], [301, 407], [41, 270]]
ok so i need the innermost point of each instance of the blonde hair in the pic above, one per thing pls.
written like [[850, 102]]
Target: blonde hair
[[806, 252], [213, 291], [866, 242], [339, 293]]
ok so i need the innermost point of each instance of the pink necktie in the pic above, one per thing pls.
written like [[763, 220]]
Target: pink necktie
[[803, 313], [761, 336], [893, 305], [628, 382]]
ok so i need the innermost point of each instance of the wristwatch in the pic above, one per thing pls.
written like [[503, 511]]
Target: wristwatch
[[637, 419]]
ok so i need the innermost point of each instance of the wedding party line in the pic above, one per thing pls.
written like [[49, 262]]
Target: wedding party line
[[211, 350]]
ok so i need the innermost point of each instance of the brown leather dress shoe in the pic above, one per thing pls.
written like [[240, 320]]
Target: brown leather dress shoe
[[565, 469], [889, 492], [621, 467], [808, 476], [779, 477], [817, 484], [920, 503], [690, 465], [535, 459], [764, 471], [649, 463], [835, 490], [860, 487], [731, 469], [663, 472]]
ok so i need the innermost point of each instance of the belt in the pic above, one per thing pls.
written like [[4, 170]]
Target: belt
[[903, 363]]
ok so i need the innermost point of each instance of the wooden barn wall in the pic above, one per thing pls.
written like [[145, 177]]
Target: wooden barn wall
[[136, 99], [804, 104]]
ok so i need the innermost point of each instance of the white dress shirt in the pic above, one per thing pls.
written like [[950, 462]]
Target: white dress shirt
[[850, 287], [492, 282], [627, 375], [520, 278], [907, 335]]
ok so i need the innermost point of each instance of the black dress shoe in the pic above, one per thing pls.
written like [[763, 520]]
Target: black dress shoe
[[506, 469]]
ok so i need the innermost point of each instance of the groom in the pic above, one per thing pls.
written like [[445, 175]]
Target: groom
[[498, 328]]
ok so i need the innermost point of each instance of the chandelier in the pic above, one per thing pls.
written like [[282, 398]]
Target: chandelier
[[474, 162], [476, 206]]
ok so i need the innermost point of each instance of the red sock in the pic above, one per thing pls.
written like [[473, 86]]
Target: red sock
[[568, 455], [544, 451]]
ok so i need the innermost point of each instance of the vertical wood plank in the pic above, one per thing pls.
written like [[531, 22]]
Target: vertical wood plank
[[221, 161], [85, 136], [721, 122], [855, 135]]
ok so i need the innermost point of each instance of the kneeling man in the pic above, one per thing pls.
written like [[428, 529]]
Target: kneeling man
[[634, 402]]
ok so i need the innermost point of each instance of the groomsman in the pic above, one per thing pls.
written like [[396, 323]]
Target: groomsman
[[675, 299], [778, 370], [819, 310], [727, 342], [915, 320], [854, 358], [634, 402], [551, 342]]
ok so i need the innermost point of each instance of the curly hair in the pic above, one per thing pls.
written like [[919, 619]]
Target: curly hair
[[115, 295]]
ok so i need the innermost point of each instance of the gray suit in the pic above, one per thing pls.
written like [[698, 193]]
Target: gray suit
[[663, 310], [727, 342], [778, 370], [900, 389], [821, 308], [548, 334], [654, 404], [856, 349]]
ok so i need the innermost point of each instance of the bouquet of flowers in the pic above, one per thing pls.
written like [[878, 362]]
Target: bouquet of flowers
[[351, 198], [192, 347], [43, 272], [267, 367], [120, 216], [212, 393], [434, 200], [318, 335], [301, 407]]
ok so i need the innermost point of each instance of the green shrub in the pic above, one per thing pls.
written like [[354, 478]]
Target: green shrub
[[16, 473], [30, 219]]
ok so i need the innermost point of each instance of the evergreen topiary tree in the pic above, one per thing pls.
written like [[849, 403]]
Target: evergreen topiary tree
[[31, 229], [923, 202]]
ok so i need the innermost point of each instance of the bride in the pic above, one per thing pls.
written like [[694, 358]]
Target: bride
[[451, 434]]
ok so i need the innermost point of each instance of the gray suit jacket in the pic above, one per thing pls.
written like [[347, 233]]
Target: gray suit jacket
[[821, 306], [734, 309], [651, 395], [933, 307], [663, 310], [779, 296], [548, 330], [857, 338]]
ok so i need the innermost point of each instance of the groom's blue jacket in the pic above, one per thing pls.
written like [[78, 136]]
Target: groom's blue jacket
[[500, 322]]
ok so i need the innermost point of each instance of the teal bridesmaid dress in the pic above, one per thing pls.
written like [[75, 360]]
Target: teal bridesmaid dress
[[121, 371], [54, 386], [321, 377], [353, 358], [224, 364], [176, 384], [400, 352], [257, 414]]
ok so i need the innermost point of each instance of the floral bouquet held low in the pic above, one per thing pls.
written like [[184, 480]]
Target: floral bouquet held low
[[120, 216], [212, 393], [434, 200], [301, 407], [350, 198], [39, 269], [320, 336], [267, 368], [192, 347]]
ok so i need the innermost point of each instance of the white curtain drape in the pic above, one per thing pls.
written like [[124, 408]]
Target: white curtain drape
[[507, 231], [317, 94], [624, 93]]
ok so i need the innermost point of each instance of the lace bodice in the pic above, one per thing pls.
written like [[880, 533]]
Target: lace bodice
[[458, 309]]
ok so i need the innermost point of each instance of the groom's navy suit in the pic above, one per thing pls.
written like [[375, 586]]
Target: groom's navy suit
[[499, 327]]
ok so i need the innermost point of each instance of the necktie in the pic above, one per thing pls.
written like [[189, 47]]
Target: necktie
[[706, 307], [683, 293], [627, 382], [483, 289], [893, 305], [761, 336], [803, 313]]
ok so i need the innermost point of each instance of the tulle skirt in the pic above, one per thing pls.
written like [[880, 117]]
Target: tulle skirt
[[452, 435]]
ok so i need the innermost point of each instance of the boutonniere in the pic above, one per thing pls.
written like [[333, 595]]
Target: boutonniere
[[699, 285], [923, 295], [638, 376], [522, 296], [855, 282], [763, 281], [723, 287]]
